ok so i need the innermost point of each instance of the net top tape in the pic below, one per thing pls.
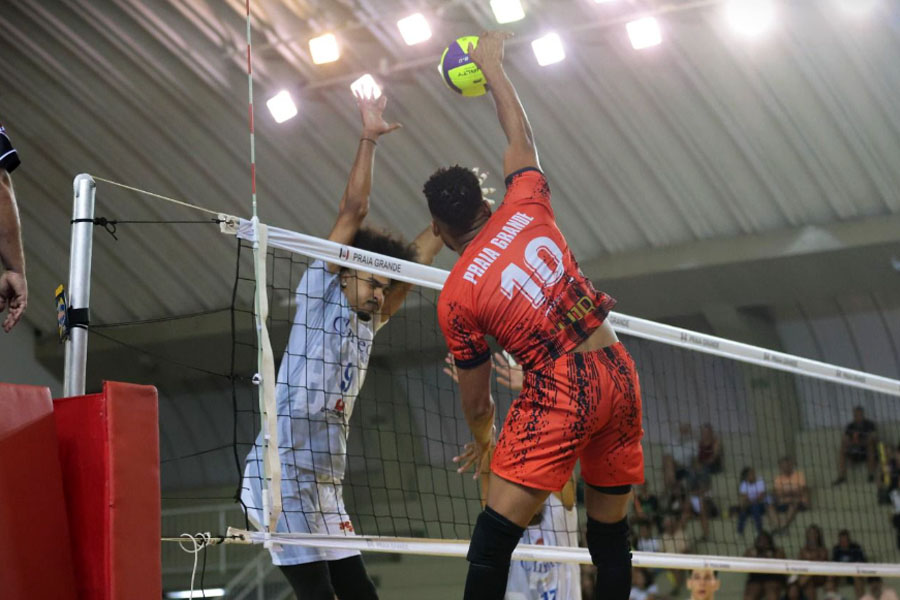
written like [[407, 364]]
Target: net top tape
[[430, 277]]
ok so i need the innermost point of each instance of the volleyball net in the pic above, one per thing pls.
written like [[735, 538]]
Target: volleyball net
[[723, 420]]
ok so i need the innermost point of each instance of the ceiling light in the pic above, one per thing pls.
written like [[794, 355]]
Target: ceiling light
[[324, 49], [548, 49], [750, 17], [507, 11], [644, 33], [282, 106], [366, 87], [414, 29]]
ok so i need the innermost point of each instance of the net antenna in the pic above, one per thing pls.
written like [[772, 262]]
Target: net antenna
[[265, 377]]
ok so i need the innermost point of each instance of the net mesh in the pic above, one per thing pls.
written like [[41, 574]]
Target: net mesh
[[407, 425]]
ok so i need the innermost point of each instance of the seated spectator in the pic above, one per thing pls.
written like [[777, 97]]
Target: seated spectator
[[877, 591], [703, 584], [753, 501], [813, 549], [675, 541], [646, 541], [791, 492], [831, 590], [642, 586], [709, 451], [764, 586], [700, 504], [794, 591], [858, 445], [678, 463], [646, 507], [847, 550]]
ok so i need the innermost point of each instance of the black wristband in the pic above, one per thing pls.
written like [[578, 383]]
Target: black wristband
[[365, 139]]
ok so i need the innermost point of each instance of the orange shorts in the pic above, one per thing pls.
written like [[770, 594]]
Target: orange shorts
[[584, 406]]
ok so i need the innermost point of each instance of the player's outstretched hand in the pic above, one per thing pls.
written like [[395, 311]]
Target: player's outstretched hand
[[509, 373], [13, 296], [489, 51], [372, 112], [477, 454], [450, 369]]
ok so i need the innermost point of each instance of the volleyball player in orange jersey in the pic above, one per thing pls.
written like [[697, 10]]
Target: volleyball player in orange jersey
[[517, 281]]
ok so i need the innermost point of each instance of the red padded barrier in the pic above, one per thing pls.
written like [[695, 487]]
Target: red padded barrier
[[109, 446], [35, 552]]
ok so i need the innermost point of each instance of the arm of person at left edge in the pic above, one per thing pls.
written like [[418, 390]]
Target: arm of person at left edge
[[478, 408], [427, 246], [13, 285]]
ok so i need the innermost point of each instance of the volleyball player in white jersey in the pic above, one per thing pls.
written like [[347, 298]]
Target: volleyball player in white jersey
[[553, 525], [339, 311], [556, 524]]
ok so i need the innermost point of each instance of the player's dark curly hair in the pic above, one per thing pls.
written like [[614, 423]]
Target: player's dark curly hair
[[454, 196], [382, 242]]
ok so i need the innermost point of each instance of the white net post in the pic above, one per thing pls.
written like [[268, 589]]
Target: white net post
[[79, 282]]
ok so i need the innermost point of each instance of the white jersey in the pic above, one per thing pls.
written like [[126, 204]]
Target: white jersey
[[529, 580], [320, 376]]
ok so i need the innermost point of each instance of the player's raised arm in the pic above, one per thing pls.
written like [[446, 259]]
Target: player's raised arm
[[520, 150], [355, 202]]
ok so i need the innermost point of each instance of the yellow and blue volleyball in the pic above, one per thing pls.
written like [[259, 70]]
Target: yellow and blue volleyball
[[459, 72]]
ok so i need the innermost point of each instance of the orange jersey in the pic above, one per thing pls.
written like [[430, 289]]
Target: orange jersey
[[518, 282]]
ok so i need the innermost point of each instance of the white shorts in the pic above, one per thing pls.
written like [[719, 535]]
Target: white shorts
[[310, 504]]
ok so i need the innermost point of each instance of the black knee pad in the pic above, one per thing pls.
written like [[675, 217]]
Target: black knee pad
[[608, 542], [611, 553], [494, 539]]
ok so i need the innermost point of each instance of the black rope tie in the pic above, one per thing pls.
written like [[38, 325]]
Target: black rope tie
[[110, 225]]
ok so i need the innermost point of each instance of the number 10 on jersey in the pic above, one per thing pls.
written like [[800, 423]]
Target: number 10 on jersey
[[540, 272]]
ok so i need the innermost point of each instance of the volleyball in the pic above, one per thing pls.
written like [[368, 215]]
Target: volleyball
[[458, 71]]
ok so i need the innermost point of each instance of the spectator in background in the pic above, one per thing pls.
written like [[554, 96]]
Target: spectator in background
[[646, 506], [847, 550], [858, 445], [703, 584], [764, 586], [646, 541], [678, 463], [791, 492], [675, 541], [700, 504], [709, 451], [877, 591], [642, 586], [753, 501], [13, 286], [813, 549], [794, 591], [831, 591]]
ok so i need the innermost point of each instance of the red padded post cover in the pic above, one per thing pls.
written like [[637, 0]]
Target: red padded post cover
[[109, 446], [35, 551]]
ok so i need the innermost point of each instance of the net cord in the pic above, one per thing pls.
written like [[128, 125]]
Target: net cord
[[430, 277], [531, 552]]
